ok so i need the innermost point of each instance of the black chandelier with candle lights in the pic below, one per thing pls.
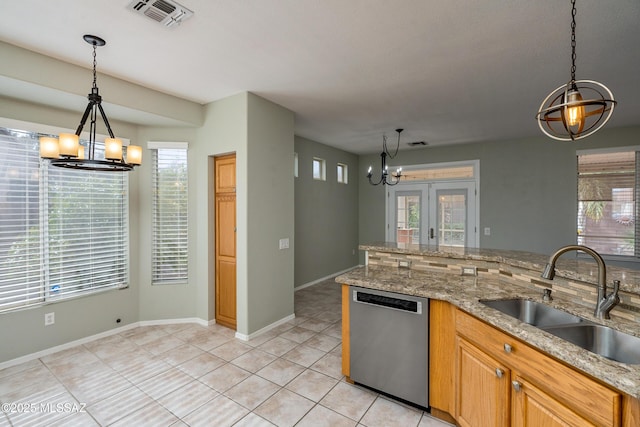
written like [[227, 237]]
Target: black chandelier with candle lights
[[387, 178], [66, 151]]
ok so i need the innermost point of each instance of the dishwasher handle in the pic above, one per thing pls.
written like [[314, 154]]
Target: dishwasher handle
[[388, 302]]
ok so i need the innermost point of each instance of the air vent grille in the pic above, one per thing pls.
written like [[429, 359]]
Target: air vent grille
[[167, 12], [164, 6]]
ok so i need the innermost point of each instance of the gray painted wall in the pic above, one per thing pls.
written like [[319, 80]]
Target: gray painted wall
[[326, 214], [270, 213], [527, 188], [164, 301]]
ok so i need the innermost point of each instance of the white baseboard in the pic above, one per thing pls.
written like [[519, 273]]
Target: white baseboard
[[65, 346], [267, 328], [322, 279], [196, 320]]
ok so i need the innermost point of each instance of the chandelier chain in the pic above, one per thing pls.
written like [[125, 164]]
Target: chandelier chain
[[573, 40], [95, 63], [386, 149]]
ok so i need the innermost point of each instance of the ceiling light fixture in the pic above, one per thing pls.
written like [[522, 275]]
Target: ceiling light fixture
[[66, 151], [577, 109], [386, 178]]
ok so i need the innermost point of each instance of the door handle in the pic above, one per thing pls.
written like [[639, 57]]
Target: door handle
[[431, 233]]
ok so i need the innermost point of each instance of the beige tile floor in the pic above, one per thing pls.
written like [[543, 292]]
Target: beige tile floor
[[190, 375]]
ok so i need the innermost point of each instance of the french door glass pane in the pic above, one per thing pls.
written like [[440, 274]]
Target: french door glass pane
[[452, 211], [408, 219]]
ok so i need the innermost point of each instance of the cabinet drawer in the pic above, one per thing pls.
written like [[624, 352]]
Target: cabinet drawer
[[586, 396]]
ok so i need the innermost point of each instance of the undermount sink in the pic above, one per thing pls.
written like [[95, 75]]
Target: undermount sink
[[599, 339], [532, 312]]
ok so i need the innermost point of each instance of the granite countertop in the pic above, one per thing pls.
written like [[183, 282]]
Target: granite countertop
[[583, 269], [465, 293]]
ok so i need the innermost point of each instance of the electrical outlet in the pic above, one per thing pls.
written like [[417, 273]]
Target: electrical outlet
[[469, 270], [49, 319], [487, 231]]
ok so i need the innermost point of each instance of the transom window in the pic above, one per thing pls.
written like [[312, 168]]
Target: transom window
[[319, 169], [343, 173]]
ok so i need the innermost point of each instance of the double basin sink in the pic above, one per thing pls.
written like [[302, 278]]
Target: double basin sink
[[599, 339]]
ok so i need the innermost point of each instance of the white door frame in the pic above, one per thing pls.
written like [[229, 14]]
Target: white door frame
[[402, 186]]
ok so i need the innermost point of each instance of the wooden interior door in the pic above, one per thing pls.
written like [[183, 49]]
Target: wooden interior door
[[225, 258]]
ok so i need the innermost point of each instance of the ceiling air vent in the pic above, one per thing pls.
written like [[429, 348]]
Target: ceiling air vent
[[167, 12]]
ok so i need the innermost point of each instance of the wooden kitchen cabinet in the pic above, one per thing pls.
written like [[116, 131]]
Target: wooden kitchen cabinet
[[482, 397], [442, 366], [533, 389], [531, 406], [346, 341]]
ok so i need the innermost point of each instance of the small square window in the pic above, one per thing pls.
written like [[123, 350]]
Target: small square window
[[343, 173], [319, 169]]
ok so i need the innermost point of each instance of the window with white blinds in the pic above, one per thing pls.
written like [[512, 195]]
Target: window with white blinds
[[608, 201], [63, 233], [170, 214]]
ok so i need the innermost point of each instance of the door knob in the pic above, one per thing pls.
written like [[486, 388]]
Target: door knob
[[499, 372], [507, 348], [516, 385]]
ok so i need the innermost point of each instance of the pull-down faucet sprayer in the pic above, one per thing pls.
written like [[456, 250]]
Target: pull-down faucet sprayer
[[604, 302]]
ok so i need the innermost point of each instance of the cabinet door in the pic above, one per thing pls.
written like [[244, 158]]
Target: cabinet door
[[531, 407], [482, 396], [225, 178]]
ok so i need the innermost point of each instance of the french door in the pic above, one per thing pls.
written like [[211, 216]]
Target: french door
[[433, 213]]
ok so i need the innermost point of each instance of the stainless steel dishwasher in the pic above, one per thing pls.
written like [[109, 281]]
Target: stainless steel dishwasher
[[389, 343]]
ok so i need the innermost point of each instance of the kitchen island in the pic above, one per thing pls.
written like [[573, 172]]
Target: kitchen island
[[436, 273]]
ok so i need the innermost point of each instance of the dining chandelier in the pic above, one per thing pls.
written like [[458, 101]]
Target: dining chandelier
[[66, 150], [577, 109], [387, 178]]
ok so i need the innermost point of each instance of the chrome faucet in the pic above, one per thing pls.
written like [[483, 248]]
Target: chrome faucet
[[604, 302]]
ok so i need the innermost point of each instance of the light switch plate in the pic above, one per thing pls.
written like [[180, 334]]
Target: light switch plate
[[284, 243]]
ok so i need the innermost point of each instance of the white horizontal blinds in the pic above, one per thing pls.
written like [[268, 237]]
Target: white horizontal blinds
[[87, 231], [20, 231], [170, 216], [607, 202], [62, 232]]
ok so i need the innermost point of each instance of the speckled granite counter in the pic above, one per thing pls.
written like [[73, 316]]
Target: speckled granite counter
[[582, 269], [465, 291]]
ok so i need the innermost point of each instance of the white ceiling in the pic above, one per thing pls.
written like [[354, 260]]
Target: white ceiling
[[446, 71]]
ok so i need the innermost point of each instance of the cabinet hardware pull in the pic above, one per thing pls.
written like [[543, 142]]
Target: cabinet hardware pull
[[499, 372], [507, 348], [516, 385], [431, 234]]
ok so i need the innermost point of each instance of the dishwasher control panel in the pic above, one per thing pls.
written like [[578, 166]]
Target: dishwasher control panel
[[389, 302]]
